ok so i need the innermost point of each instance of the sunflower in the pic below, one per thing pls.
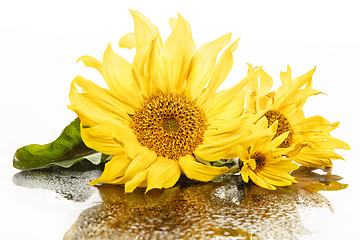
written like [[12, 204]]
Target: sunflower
[[310, 138], [156, 114], [263, 161]]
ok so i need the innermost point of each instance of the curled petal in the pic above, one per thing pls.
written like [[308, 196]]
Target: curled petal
[[99, 139], [197, 171], [94, 104], [144, 30], [128, 41]]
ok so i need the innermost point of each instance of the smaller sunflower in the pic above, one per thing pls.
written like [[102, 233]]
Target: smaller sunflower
[[262, 159], [309, 138]]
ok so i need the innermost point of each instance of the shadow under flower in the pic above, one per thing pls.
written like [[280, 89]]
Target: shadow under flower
[[221, 210], [71, 183]]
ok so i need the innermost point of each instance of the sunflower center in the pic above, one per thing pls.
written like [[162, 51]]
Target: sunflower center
[[283, 126], [170, 125], [260, 160]]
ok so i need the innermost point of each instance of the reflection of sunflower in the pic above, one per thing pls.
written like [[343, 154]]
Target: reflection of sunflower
[[311, 135], [263, 161], [157, 114]]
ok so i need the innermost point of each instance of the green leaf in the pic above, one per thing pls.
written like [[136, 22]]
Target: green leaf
[[65, 151]]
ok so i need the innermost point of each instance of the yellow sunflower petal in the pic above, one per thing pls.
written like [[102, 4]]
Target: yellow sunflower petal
[[98, 138], [281, 170], [262, 124], [92, 62], [218, 146], [126, 137], [172, 23], [163, 173], [312, 161], [198, 171], [316, 131], [252, 163], [146, 64], [305, 79], [114, 169], [245, 173], [202, 65], [128, 41], [95, 104], [266, 83], [274, 180], [315, 123], [258, 90], [260, 181], [265, 102], [215, 104], [117, 73], [221, 71], [231, 111], [122, 134], [250, 68], [278, 140], [334, 143], [140, 163], [144, 30], [262, 136], [317, 158], [147, 68], [243, 153], [120, 78], [290, 87], [136, 181], [253, 86], [300, 95], [286, 78], [176, 54]]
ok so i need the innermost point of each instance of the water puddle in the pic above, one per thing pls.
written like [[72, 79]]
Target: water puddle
[[224, 210]]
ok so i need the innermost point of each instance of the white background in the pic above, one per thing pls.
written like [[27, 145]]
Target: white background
[[40, 42]]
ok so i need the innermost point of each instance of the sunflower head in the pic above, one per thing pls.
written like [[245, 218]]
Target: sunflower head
[[310, 139], [170, 125], [262, 159], [162, 110]]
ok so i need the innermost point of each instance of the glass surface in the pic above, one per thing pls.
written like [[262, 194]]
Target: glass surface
[[60, 200]]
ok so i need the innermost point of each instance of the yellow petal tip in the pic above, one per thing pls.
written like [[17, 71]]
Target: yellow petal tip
[[94, 182]]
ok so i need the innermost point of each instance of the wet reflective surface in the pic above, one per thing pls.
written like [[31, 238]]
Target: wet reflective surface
[[68, 183], [226, 209]]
